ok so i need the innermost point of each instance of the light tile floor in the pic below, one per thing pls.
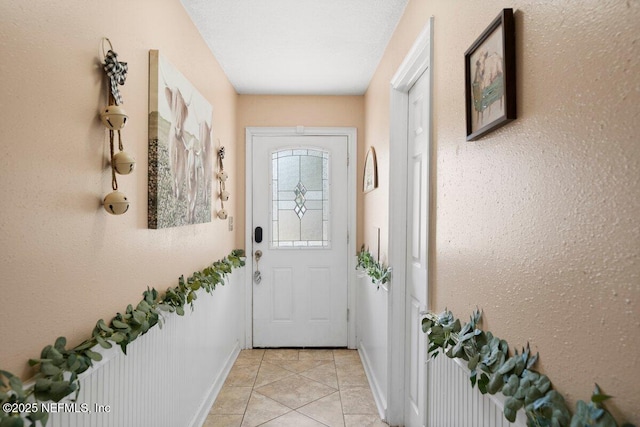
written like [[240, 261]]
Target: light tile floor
[[298, 388]]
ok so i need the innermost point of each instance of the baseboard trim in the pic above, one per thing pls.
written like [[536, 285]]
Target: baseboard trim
[[378, 394], [214, 390]]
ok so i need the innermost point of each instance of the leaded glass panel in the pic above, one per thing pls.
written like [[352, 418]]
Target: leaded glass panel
[[300, 198]]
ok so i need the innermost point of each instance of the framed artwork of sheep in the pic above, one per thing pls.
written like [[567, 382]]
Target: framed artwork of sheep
[[490, 76], [180, 148]]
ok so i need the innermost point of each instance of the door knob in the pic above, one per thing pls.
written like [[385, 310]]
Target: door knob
[[257, 276]]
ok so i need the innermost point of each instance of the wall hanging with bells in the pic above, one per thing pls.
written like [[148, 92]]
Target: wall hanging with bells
[[222, 178], [115, 118]]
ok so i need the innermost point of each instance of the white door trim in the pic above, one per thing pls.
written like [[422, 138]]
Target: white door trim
[[351, 134], [417, 61]]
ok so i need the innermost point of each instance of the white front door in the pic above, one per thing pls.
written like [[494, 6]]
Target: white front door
[[417, 257], [300, 208]]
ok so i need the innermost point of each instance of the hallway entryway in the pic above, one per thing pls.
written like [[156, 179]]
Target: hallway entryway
[[290, 387], [300, 208]]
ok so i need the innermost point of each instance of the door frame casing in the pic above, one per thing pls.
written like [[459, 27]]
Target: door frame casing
[[352, 136], [417, 61]]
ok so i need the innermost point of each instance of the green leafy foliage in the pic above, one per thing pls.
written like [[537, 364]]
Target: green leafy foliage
[[493, 370], [593, 413], [59, 367], [550, 410], [378, 273], [11, 391]]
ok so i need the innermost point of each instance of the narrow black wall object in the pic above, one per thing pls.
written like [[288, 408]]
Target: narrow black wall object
[[257, 235]]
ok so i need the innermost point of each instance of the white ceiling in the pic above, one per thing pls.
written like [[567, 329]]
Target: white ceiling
[[297, 47]]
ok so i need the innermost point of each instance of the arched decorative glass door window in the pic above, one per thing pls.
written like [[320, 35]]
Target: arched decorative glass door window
[[300, 198]]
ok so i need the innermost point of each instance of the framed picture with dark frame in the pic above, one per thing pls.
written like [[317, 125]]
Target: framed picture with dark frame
[[490, 77]]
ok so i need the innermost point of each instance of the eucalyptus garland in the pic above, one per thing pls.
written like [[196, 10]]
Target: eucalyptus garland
[[59, 367], [378, 273], [493, 370]]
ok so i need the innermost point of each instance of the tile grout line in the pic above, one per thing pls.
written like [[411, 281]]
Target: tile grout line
[[252, 388]]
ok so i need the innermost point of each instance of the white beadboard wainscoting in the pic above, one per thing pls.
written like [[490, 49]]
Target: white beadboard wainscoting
[[371, 334], [451, 402], [171, 376]]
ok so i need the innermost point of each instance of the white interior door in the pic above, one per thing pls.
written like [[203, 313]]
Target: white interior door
[[417, 257], [300, 201]]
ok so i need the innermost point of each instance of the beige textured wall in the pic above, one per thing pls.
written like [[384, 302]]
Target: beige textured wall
[[65, 262], [289, 111], [537, 223]]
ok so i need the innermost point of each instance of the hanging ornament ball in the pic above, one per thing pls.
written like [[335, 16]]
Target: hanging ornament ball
[[224, 196], [116, 203], [222, 176], [114, 117], [222, 214], [124, 163]]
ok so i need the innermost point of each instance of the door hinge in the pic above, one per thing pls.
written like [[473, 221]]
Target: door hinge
[[347, 237], [347, 314]]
